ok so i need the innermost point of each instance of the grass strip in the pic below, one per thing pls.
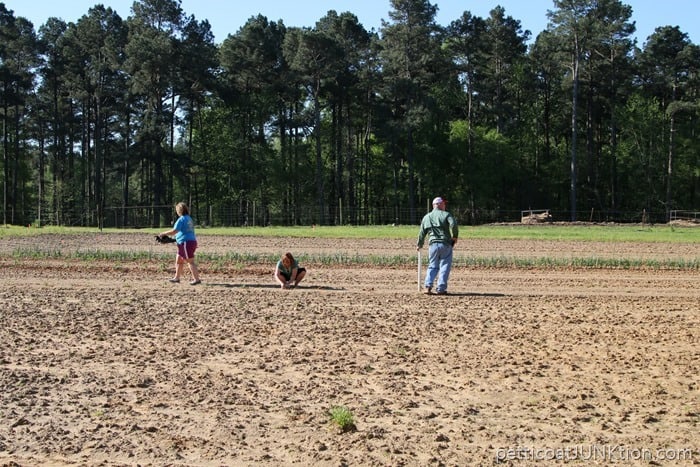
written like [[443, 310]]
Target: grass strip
[[219, 261], [558, 232]]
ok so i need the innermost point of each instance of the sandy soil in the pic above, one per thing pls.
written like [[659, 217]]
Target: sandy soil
[[108, 364]]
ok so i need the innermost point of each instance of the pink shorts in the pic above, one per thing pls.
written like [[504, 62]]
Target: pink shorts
[[186, 249]]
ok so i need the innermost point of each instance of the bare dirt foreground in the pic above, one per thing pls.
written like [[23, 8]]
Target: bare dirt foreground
[[108, 364]]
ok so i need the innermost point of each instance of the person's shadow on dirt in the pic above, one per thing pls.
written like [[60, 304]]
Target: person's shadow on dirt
[[271, 286], [468, 294]]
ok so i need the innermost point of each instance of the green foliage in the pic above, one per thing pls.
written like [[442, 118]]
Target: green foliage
[[286, 118], [556, 232], [342, 418], [599, 233], [691, 264], [217, 261]]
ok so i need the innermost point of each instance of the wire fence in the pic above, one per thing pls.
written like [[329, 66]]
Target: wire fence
[[253, 215], [689, 216]]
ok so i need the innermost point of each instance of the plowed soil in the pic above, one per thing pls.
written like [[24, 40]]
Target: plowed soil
[[106, 363]]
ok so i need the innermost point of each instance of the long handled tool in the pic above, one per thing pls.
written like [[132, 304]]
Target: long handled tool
[[419, 268]]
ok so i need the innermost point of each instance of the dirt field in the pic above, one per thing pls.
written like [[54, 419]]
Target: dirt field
[[109, 364]]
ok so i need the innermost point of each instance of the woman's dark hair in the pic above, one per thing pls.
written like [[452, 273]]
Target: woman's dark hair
[[288, 260], [182, 209]]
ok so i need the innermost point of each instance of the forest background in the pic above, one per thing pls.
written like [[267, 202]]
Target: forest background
[[109, 121]]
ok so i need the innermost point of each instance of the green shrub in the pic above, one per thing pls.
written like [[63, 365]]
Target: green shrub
[[342, 418]]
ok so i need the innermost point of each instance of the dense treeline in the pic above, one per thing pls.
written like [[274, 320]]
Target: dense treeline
[[109, 121]]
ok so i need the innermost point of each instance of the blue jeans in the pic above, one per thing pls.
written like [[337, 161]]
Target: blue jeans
[[440, 263]]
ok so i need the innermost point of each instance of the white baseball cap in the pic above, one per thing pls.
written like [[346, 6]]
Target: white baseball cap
[[438, 200]]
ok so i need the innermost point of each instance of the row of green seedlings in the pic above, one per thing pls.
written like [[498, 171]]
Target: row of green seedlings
[[223, 261]]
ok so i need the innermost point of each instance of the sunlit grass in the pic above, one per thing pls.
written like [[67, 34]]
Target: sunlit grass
[[600, 233], [583, 233], [558, 232]]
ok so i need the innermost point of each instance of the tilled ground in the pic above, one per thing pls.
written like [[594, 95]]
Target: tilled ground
[[108, 364]]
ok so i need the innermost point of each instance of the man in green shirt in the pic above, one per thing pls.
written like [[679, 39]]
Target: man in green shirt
[[442, 228]]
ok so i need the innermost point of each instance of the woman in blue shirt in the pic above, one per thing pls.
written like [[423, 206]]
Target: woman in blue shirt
[[183, 229]]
